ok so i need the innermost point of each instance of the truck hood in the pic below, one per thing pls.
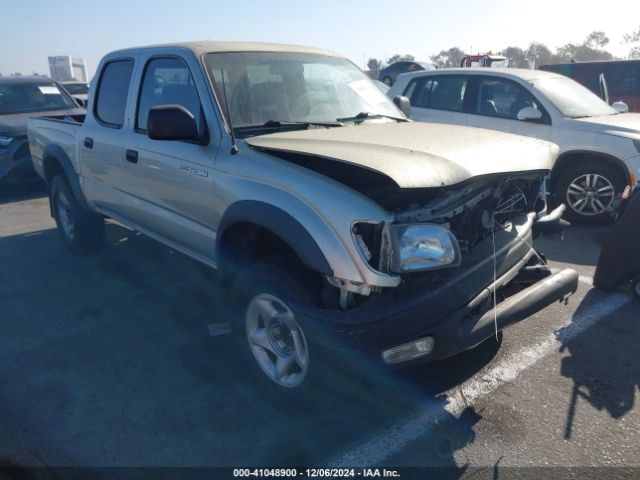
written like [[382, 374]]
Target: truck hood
[[15, 124], [417, 155]]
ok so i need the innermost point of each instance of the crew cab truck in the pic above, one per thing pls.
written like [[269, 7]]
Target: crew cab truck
[[336, 223]]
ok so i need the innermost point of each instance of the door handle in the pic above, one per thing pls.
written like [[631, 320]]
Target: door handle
[[131, 156], [88, 142]]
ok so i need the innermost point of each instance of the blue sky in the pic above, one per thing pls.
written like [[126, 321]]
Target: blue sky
[[32, 30]]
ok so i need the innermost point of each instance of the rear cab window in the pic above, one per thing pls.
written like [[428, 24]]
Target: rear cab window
[[113, 89]]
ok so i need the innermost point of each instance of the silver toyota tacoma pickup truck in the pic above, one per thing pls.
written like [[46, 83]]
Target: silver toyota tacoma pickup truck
[[336, 223]]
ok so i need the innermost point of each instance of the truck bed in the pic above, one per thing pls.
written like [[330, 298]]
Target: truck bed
[[64, 117]]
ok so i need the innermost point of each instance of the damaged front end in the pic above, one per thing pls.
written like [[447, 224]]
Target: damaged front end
[[434, 230], [468, 269]]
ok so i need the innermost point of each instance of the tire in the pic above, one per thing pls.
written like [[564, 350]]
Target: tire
[[81, 231], [588, 191], [387, 81], [635, 289], [289, 366]]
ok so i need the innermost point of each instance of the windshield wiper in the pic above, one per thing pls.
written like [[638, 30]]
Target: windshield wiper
[[289, 123], [362, 116]]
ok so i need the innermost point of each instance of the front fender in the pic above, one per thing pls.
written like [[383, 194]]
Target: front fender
[[280, 223]]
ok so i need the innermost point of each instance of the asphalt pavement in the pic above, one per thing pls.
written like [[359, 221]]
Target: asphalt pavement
[[107, 361]]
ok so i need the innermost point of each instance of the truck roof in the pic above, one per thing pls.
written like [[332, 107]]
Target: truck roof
[[200, 48]]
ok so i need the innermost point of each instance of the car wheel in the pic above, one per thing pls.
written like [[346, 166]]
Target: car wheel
[[276, 343], [82, 232], [589, 191], [387, 81], [635, 289]]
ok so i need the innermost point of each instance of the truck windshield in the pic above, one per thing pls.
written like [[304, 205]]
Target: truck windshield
[[267, 87], [572, 99], [32, 97]]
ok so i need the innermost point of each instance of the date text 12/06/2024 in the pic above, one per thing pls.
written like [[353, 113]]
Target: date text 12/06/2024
[[316, 473]]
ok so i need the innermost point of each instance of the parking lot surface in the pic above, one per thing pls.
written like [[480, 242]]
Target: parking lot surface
[[108, 361]]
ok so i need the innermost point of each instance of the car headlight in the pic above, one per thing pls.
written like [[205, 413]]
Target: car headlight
[[5, 141], [422, 247]]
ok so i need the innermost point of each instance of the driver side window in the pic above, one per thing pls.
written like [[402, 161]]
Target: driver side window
[[167, 81], [502, 98]]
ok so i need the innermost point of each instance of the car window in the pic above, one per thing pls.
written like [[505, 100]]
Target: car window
[[167, 81], [502, 98], [440, 93], [112, 92], [76, 88]]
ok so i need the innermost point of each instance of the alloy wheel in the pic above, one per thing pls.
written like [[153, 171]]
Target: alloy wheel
[[65, 215], [590, 194], [276, 340]]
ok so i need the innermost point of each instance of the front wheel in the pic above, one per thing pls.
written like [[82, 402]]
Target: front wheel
[[589, 192], [287, 362]]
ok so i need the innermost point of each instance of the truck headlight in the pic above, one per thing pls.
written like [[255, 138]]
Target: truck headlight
[[422, 247], [5, 141]]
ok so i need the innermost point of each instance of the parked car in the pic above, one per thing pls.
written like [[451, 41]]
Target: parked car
[[389, 74], [599, 146], [335, 222], [20, 98], [79, 91], [621, 79]]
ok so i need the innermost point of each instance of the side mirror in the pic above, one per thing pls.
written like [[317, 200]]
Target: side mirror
[[529, 114], [620, 107], [403, 104], [171, 122]]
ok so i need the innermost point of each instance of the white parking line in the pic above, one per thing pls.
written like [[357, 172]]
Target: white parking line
[[385, 443]]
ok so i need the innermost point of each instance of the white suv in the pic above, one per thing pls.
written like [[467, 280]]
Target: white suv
[[599, 144]]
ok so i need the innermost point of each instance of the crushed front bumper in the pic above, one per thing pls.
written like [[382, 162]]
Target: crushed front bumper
[[457, 311]]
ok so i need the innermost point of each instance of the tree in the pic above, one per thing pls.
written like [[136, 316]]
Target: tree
[[517, 57], [596, 40], [16, 74], [374, 64], [539, 54], [632, 37], [400, 58], [448, 58]]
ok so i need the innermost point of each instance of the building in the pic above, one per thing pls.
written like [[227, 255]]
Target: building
[[65, 68]]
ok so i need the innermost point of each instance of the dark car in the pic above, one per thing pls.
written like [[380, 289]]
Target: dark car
[[21, 98], [389, 74], [622, 79], [79, 91]]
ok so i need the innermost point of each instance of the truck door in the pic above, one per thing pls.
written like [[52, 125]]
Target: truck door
[[100, 147], [172, 182]]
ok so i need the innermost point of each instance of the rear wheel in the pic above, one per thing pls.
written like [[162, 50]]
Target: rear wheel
[[82, 232], [589, 192]]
